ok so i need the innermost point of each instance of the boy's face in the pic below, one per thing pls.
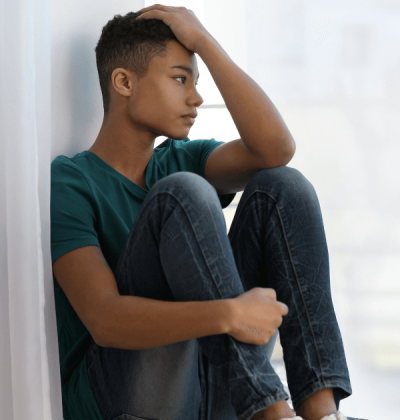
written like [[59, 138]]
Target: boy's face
[[161, 98]]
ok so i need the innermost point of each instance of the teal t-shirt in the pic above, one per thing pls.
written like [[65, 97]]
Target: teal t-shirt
[[93, 204]]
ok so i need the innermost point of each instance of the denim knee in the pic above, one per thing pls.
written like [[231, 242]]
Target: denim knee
[[188, 187], [282, 181]]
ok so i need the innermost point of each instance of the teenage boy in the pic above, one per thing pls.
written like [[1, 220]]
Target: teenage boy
[[161, 314]]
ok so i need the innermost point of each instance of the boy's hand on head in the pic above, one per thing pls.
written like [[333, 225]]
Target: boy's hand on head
[[184, 24]]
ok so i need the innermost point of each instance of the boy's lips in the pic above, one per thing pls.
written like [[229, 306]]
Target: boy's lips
[[188, 118], [191, 114]]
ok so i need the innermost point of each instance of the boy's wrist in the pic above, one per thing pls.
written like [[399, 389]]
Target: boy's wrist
[[226, 315], [204, 42]]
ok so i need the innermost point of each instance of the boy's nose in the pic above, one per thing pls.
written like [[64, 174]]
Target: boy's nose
[[196, 100]]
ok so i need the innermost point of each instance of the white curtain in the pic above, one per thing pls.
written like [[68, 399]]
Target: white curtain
[[29, 364]]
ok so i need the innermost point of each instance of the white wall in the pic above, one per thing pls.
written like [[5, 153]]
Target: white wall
[[76, 101], [77, 107]]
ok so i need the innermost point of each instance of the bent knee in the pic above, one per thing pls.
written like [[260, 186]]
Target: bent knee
[[281, 177], [189, 184]]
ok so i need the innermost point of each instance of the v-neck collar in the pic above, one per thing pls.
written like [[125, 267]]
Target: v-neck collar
[[127, 181]]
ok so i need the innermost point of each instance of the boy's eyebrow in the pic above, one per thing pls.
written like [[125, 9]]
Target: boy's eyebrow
[[187, 69]]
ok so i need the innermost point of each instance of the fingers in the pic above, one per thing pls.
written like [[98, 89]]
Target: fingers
[[161, 7], [155, 6], [270, 293], [285, 309], [153, 14], [156, 11]]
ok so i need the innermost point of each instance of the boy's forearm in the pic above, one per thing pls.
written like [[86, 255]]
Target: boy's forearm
[[137, 323], [258, 122]]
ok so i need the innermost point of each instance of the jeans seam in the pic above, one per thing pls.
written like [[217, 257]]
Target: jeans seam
[[295, 271], [202, 404], [90, 367], [301, 291], [188, 218]]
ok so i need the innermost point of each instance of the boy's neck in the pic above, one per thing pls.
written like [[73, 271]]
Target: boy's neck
[[124, 149]]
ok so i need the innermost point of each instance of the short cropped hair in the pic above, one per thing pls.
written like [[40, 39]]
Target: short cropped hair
[[129, 43]]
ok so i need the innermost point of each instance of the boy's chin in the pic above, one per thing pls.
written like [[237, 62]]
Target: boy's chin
[[179, 135]]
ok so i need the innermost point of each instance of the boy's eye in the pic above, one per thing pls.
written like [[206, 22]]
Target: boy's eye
[[183, 77]]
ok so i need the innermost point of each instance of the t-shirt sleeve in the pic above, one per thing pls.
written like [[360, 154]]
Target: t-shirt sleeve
[[72, 210], [202, 149]]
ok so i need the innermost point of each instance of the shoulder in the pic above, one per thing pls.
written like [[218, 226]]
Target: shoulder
[[70, 184], [67, 170], [66, 164]]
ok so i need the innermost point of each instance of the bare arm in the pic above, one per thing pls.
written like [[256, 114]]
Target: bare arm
[[131, 322], [260, 125], [141, 323]]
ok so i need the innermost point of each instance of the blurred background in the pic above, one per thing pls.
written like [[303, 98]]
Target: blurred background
[[332, 68]]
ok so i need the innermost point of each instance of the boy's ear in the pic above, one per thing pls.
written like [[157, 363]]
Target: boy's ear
[[122, 81]]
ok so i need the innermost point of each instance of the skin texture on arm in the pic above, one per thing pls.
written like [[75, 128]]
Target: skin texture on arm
[[262, 129], [131, 322]]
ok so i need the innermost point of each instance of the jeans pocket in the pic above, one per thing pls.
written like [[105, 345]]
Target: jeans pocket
[[130, 417]]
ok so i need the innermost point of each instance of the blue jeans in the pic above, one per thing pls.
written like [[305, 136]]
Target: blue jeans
[[179, 250]]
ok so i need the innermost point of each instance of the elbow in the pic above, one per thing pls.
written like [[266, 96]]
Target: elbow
[[290, 151], [282, 157], [99, 339], [101, 334], [104, 325]]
